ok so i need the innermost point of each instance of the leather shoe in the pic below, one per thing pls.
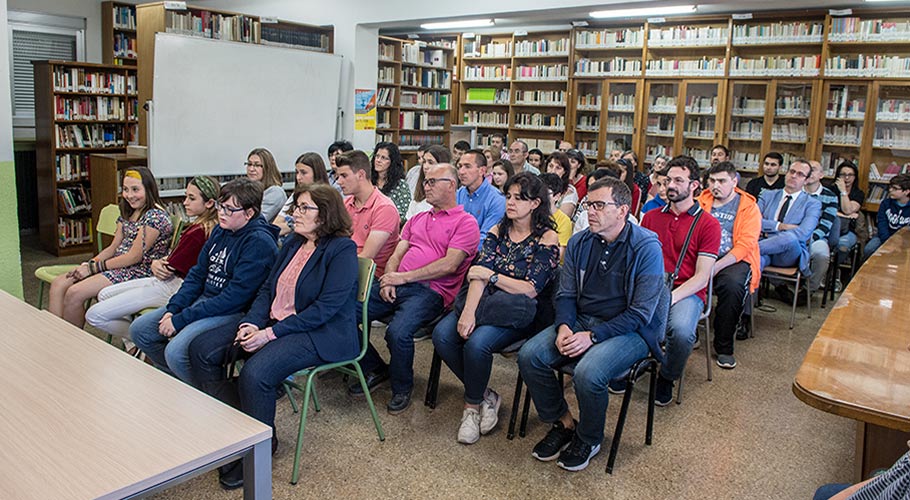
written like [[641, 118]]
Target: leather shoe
[[399, 403], [374, 379], [230, 476], [743, 328]]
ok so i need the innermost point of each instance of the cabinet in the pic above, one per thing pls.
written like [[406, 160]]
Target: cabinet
[[118, 33], [889, 154]]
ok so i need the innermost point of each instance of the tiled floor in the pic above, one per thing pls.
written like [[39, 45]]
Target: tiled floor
[[742, 436]]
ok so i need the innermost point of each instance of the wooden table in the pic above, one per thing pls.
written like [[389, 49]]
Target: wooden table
[[80, 419], [858, 366]]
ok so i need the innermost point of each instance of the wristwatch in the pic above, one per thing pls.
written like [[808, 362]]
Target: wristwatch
[[494, 278]]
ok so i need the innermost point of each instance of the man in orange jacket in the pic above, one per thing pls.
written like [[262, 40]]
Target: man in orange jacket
[[737, 271]]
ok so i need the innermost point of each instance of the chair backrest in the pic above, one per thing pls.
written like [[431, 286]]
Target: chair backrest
[[178, 224], [709, 299], [107, 223], [366, 268]]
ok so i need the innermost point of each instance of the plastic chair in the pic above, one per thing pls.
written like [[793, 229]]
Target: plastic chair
[[366, 269], [107, 224]]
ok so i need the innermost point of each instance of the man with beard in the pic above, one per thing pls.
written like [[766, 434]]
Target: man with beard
[[770, 178], [689, 268]]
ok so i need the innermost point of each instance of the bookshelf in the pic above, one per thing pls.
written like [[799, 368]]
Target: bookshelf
[[80, 109], [889, 153], [389, 90], [484, 87], [425, 97], [745, 132], [540, 89], [687, 48], [118, 33], [840, 130]]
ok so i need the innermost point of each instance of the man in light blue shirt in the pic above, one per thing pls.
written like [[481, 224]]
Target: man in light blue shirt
[[476, 194]]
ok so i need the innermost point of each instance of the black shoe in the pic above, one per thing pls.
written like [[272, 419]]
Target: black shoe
[[784, 293], [664, 391], [554, 442], [231, 475], [744, 328], [617, 386], [399, 403], [274, 445], [374, 379], [577, 455]]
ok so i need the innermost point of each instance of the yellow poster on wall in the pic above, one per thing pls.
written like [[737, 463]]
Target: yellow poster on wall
[[364, 109]]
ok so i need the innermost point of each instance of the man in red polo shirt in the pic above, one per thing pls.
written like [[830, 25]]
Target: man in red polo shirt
[[375, 218], [672, 224]]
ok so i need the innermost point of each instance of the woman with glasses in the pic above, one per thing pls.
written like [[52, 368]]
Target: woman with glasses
[[519, 257], [388, 175], [260, 166], [850, 200], [308, 168], [304, 315]]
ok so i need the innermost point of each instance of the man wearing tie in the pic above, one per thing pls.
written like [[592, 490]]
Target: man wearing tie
[[789, 216]]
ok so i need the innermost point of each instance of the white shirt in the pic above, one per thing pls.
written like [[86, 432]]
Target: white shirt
[[780, 205]]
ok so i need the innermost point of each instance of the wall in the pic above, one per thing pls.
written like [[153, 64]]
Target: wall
[[10, 265]]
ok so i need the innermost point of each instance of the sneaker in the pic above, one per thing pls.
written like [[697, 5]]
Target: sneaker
[[423, 334], [577, 455], [554, 442], [726, 361], [489, 411], [838, 287], [374, 379], [231, 475], [664, 391], [399, 403], [469, 432], [697, 343], [743, 328], [617, 386]]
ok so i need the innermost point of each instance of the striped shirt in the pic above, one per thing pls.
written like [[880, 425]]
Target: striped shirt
[[830, 204]]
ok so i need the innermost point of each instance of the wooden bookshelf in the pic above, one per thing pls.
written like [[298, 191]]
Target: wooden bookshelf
[[540, 112], [118, 33], [80, 109]]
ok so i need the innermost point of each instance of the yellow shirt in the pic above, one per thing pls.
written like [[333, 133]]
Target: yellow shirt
[[563, 227]]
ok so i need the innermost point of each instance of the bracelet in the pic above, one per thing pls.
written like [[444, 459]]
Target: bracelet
[[102, 265], [91, 267]]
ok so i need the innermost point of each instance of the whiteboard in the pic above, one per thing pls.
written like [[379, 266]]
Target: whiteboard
[[214, 101]]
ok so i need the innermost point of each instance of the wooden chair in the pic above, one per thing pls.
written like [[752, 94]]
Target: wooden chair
[[107, 224], [351, 367]]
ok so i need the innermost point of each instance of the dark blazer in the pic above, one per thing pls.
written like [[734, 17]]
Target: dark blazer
[[325, 298]]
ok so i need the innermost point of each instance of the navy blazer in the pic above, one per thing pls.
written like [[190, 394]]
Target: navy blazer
[[325, 298], [804, 212]]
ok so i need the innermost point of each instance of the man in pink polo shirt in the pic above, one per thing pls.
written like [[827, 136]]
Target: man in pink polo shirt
[[422, 277], [374, 216]]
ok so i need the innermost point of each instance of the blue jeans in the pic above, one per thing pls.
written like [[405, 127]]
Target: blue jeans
[[596, 367], [782, 250], [414, 307], [262, 373], [871, 247], [471, 360], [681, 335], [829, 490], [172, 354], [846, 241]]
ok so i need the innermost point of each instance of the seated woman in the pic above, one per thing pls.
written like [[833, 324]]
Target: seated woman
[[117, 304], [308, 168], [433, 156], [519, 257], [850, 202], [578, 168], [501, 171], [261, 166], [559, 164], [142, 235], [388, 176], [304, 314]]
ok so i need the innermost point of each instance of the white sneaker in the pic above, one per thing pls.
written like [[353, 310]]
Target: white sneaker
[[489, 411], [469, 432]]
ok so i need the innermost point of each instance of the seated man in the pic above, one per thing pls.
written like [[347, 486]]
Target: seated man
[[692, 266], [460, 148], [893, 213], [660, 200], [770, 178], [789, 216], [611, 311], [374, 215], [737, 271], [422, 277], [518, 155], [477, 195]]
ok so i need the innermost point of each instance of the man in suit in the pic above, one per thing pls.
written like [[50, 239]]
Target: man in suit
[[789, 216]]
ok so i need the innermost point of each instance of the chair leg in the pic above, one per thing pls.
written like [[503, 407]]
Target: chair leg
[[620, 422], [287, 390], [363, 385], [295, 476], [808, 299], [752, 324], [708, 346], [680, 388], [652, 396], [516, 401], [433, 381], [40, 294], [793, 309], [523, 428], [315, 400]]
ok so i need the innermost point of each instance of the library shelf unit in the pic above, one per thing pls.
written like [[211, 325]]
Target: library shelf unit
[[80, 109], [118, 33], [540, 89], [227, 26]]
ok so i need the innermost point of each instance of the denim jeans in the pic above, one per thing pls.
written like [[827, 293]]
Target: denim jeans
[[731, 287], [263, 371], [681, 335], [471, 360], [871, 247], [829, 490], [172, 354], [781, 250], [846, 241], [819, 258], [414, 307], [601, 363]]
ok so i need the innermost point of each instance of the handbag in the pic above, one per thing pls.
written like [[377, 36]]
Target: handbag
[[226, 389], [499, 308], [670, 278]]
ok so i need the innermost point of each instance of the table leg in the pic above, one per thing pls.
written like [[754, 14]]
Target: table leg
[[877, 447], [257, 472]]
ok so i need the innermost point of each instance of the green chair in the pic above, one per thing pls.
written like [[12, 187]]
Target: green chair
[[107, 224], [366, 269]]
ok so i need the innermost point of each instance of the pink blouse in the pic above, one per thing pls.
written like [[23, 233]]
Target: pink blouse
[[283, 304]]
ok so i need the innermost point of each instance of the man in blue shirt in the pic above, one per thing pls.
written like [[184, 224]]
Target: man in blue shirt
[[611, 311], [478, 197]]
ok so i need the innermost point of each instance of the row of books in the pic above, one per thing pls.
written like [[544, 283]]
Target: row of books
[[587, 148], [621, 102], [609, 39], [541, 121], [94, 135], [662, 104], [96, 82], [877, 193], [425, 100], [542, 72], [749, 130], [415, 54], [843, 133], [486, 118], [125, 46], [294, 39], [620, 124], [205, 24], [387, 51], [384, 118], [385, 97], [588, 123], [488, 72], [744, 158], [855, 29], [73, 200], [706, 66], [699, 127], [487, 95], [72, 167], [893, 109], [72, 232], [793, 106], [547, 146], [842, 105], [748, 106], [660, 125], [701, 104], [124, 17], [531, 48], [684, 36], [617, 66], [891, 170], [775, 66], [588, 102], [548, 97], [475, 48], [652, 151], [702, 156], [417, 120], [387, 75], [778, 33], [892, 137], [790, 132], [95, 108], [860, 65], [430, 78], [413, 141]]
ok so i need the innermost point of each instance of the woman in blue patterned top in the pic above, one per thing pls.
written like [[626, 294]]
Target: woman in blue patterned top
[[143, 234], [519, 257]]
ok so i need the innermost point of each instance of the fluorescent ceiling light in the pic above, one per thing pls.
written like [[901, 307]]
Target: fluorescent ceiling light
[[645, 12], [875, 1], [454, 25]]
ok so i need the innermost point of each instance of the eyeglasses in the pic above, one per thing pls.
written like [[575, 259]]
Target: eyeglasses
[[251, 164], [598, 205], [797, 173], [844, 175], [432, 182], [303, 208], [226, 209]]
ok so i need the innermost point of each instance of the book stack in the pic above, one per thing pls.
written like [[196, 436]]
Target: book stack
[[73, 200]]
